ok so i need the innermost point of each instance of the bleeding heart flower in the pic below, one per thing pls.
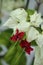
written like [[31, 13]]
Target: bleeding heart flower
[[17, 36], [27, 45], [24, 43]]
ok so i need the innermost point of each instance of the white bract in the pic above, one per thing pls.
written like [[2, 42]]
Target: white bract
[[22, 26], [32, 34], [19, 14], [10, 23], [39, 40], [36, 19]]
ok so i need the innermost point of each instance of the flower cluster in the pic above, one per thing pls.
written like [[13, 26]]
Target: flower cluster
[[33, 29]]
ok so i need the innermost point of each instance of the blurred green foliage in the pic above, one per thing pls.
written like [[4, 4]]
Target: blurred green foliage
[[5, 36]]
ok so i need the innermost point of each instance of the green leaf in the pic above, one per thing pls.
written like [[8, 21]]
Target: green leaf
[[19, 57], [7, 33], [11, 52], [33, 43], [23, 60], [5, 36], [30, 12]]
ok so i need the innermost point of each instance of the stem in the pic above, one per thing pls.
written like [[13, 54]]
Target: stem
[[11, 52], [19, 57]]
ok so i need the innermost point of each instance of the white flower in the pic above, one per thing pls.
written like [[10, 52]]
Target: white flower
[[18, 21], [32, 34], [39, 40], [36, 19], [23, 26], [10, 23], [19, 14]]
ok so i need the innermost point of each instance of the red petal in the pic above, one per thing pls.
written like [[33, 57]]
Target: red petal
[[14, 38], [17, 36], [17, 31], [28, 50], [24, 43], [20, 35]]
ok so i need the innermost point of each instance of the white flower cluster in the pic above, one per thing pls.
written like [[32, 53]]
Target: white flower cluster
[[18, 20]]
